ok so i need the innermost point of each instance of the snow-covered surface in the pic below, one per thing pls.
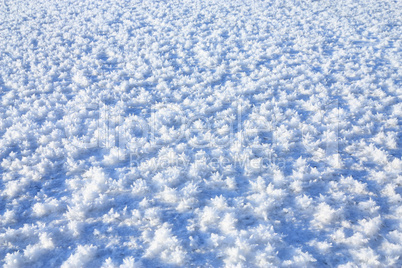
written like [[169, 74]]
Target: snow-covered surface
[[200, 133]]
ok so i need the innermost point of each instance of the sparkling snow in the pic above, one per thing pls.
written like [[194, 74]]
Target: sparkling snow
[[200, 133]]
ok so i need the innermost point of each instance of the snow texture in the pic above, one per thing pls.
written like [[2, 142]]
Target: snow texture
[[200, 133]]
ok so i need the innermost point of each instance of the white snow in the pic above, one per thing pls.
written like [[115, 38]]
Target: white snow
[[203, 133]]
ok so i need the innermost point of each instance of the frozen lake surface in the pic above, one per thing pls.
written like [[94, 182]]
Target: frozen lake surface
[[200, 133]]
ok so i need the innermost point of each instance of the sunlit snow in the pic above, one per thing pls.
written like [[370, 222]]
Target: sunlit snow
[[200, 133]]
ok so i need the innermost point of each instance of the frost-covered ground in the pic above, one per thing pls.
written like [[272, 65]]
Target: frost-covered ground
[[200, 133]]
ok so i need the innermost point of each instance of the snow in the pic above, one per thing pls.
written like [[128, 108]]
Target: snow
[[200, 133]]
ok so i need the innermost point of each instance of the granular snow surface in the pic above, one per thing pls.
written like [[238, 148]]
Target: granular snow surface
[[200, 133]]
